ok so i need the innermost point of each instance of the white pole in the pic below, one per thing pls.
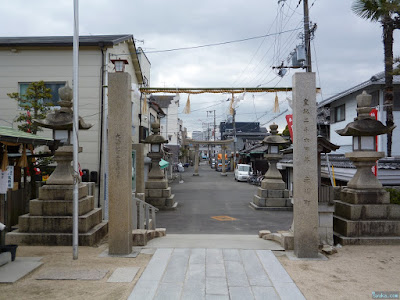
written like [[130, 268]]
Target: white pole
[[75, 130]]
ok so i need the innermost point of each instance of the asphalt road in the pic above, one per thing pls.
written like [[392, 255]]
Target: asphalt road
[[211, 195]]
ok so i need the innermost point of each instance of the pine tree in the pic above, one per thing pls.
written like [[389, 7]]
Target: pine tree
[[33, 104]]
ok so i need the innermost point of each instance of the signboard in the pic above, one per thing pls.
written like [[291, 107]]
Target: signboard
[[374, 113], [133, 170], [3, 182], [10, 177]]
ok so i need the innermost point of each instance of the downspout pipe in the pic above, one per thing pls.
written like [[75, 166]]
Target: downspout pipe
[[101, 122]]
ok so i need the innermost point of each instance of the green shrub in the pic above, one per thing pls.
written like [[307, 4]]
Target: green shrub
[[394, 196]]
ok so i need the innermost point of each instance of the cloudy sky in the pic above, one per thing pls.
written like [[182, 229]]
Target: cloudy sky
[[346, 50]]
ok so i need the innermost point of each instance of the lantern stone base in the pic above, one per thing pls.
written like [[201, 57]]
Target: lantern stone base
[[274, 199], [158, 194], [365, 217], [49, 221]]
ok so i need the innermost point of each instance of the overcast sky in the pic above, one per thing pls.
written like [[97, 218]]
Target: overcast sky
[[346, 50]]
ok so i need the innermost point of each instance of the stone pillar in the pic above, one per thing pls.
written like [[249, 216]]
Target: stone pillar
[[120, 164], [139, 148], [305, 169], [196, 160], [223, 150]]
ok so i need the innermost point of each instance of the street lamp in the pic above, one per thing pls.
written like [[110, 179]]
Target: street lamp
[[364, 129], [119, 64]]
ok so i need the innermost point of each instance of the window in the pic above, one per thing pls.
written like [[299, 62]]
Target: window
[[339, 113], [54, 86], [152, 119]]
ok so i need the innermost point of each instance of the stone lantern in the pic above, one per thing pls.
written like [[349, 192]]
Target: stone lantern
[[157, 192], [364, 215], [364, 129], [49, 221], [272, 192]]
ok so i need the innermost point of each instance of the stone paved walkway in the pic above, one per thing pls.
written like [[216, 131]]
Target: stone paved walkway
[[202, 273]]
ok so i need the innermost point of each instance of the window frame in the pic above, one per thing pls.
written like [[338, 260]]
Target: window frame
[[61, 83], [336, 109]]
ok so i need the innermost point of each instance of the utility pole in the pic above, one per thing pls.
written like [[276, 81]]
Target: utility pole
[[210, 111], [234, 139], [307, 43]]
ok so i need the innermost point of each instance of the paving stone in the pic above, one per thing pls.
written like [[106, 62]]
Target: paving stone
[[72, 274], [156, 267], [288, 291], [231, 254], [254, 270], [240, 293], [215, 270], [214, 256], [150, 251], [176, 268], [198, 256], [15, 270], [144, 290], [264, 293], [273, 267], [235, 274], [196, 272], [216, 286], [194, 290], [169, 291], [123, 274], [217, 297]]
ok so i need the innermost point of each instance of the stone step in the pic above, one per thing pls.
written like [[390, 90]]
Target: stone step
[[60, 207], [366, 228], [5, 257], [352, 196], [272, 202], [367, 211], [58, 224], [375, 240], [90, 238], [62, 192]]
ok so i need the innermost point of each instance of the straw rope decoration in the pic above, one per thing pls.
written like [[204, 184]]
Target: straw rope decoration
[[23, 161], [276, 104], [4, 162], [187, 106]]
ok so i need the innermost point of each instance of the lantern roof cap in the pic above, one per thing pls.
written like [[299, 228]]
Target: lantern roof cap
[[155, 138], [62, 119], [274, 138]]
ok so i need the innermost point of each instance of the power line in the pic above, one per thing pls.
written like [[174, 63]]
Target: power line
[[221, 43]]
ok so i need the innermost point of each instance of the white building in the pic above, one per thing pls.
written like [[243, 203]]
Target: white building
[[343, 111], [27, 59]]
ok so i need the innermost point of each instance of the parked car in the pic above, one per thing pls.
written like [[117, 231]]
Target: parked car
[[242, 172], [227, 166]]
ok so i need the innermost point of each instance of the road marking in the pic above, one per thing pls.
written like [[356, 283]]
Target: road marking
[[223, 218]]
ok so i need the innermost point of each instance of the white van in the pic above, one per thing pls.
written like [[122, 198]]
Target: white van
[[242, 172]]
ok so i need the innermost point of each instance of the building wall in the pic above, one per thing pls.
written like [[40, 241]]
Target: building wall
[[55, 65], [350, 107]]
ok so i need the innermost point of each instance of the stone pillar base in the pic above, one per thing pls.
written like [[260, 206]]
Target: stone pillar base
[[272, 199], [195, 174], [224, 174], [365, 217]]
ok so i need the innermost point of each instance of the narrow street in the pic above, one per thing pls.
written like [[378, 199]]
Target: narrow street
[[200, 198]]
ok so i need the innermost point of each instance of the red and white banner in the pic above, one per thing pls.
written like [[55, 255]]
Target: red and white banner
[[289, 120], [374, 113]]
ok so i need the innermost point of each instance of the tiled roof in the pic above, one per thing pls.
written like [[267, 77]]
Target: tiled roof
[[8, 134], [377, 79], [60, 41]]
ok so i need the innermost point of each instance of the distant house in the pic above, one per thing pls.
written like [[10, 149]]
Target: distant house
[[27, 59], [340, 110]]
